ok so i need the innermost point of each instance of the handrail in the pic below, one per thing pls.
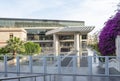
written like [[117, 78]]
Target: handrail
[[111, 61], [67, 55], [43, 75], [23, 76], [70, 62]]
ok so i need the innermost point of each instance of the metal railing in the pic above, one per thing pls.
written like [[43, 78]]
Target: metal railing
[[24, 76], [96, 66], [52, 77]]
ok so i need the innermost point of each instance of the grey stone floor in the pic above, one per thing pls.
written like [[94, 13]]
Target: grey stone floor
[[89, 78]]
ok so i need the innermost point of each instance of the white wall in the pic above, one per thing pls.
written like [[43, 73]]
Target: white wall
[[17, 32]]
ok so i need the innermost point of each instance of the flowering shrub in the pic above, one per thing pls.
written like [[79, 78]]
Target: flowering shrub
[[108, 35]]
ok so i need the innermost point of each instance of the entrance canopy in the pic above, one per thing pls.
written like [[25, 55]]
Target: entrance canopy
[[85, 29]]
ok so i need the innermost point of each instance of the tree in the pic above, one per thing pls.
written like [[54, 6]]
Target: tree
[[32, 48], [108, 35], [3, 50], [15, 45]]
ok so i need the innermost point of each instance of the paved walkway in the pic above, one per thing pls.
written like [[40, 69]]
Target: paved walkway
[[89, 78]]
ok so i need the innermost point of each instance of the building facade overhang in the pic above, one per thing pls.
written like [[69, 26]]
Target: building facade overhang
[[13, 30], [83, 29]]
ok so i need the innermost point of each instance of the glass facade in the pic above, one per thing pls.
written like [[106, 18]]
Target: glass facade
[[36, 29], [66, 42], [66, 37], [84, 36], [12, 22], [84, 45], [39, 37], [38, 34]]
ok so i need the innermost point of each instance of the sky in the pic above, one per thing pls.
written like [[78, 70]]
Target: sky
[[93, 12]]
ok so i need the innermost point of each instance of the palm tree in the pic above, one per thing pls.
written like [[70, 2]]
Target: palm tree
[[15, 45]]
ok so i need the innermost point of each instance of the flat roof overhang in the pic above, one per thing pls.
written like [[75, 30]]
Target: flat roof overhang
[[83, 29]]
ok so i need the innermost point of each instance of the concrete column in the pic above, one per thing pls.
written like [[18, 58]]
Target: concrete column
[[77, 43], [56, 44], [117, 43], [118, 46], [77, 47], [80, 48]]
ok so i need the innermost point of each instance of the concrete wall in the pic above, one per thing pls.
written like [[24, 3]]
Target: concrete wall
[[16, 32]]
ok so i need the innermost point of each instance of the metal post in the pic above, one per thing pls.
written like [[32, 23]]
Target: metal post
[[44, 67], [75, 64], [54, 78], [18, 66], [59, 64], [58, 77], [74, 67], [5, 66], [44, 78], [119, 63], [30, 64], [50, 77], [35, 78], [90, 65], [94, 56], [18, 79], [107, 65]]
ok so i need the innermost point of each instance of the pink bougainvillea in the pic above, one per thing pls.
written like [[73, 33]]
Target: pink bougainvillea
[[108, 35]]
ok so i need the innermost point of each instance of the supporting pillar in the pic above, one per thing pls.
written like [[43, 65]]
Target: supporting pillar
[[56, 44], [80, 48], [77, 47], [118, 47], [117, 43], [77, 43]]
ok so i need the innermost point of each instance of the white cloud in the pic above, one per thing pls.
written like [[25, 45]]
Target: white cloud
[[93, 12]]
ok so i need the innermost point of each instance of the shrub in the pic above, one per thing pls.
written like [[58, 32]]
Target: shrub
[[32, 48], [108, 35]]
